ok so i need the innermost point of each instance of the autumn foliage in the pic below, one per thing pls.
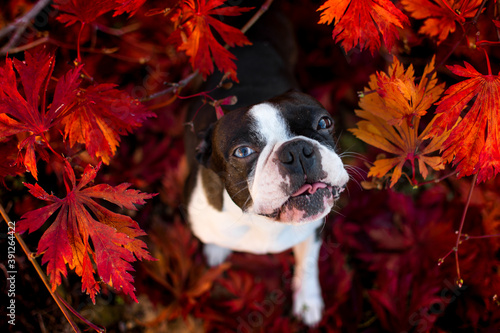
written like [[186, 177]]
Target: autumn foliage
[[93, 97], [67, 240]]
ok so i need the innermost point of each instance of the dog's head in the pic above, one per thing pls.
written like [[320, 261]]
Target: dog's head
[[277, 158]]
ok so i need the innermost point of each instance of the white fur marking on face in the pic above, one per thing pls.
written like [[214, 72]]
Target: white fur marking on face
[[271, 128], [269, 123]]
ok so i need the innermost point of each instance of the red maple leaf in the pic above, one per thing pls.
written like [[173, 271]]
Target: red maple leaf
[[196, 38], [441, 17], [100, 115], [248, 293], [29, 114], [474, 144], [184, 280], [66, 241], [85, 11], [95, 116], [366, 23]]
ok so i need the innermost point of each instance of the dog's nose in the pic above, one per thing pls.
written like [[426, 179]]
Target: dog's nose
[[297, 156]]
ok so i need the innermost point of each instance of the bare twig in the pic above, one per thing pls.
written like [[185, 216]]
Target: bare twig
[[459, 240], [262, 10], [79, 316], [118, 32], [40, 272], [173, 87], [467, 237], [28, 46], [20, 25], [459, 234], [480, 9], [437, 180]]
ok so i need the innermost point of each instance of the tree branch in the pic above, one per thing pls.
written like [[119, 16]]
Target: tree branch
[[40, 272]]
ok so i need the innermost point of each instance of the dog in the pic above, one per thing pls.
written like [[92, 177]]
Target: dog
[[264, 176]]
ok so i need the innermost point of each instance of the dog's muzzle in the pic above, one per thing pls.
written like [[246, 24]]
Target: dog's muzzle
[[308, 196]]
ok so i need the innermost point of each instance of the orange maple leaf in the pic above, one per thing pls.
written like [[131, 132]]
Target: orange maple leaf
[[99, 116], [195, 35], [66, 241], [382, 126], [474, 142], [366, 23], [398, 94], [441, 16]]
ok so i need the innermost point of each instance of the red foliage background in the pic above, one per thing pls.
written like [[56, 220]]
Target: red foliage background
[[388, 262]]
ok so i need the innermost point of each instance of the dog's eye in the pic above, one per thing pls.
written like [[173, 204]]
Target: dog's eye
[[243, 151], [325, 123]]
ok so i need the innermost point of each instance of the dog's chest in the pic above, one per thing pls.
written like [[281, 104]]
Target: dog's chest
[[233, 229]]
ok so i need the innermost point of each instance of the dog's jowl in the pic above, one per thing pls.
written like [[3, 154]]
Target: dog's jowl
[[264, 176]]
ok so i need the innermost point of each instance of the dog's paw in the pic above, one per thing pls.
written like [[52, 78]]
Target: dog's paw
[[215, 254], [309, 308]]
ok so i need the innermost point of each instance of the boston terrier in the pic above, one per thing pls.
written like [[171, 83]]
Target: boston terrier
[[264, 176]]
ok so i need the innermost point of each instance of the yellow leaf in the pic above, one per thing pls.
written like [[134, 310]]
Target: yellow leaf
[[391, 110]]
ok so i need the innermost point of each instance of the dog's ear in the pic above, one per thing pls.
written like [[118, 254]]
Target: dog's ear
[[204, 148]]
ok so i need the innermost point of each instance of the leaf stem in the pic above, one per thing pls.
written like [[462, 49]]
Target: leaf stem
[[40, 272], [413, 179], [79, 58], [43, 108], [459, 233], [58, 156], [447, 5], [487, 61], [486, 42]]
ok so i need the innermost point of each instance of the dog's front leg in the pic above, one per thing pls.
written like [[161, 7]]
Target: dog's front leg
[[308, 302], [215, 254]]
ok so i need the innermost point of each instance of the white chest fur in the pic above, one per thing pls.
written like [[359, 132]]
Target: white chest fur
[[233, 229]]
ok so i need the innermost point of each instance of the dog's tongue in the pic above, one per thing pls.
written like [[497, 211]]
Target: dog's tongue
[[310, 188]]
